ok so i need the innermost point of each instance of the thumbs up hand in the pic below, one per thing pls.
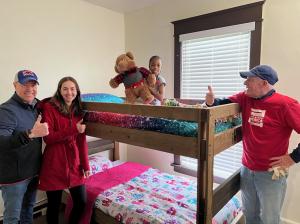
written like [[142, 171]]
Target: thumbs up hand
[[80, 127], [210, 97], [39, 129]]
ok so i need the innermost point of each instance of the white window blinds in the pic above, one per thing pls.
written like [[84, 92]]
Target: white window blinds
[[216, 61]]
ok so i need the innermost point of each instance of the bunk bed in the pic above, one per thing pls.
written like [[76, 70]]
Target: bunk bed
[[202, 147]]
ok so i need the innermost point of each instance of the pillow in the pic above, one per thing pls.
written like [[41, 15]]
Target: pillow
[[101, 97], [99, 163]]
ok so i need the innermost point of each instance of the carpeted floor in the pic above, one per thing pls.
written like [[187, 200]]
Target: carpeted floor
[[41, 219]]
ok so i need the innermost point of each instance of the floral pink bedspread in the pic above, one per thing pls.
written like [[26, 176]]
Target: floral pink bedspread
[[102, 181], [158, 198]]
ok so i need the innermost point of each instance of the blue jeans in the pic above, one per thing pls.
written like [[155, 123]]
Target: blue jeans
[[19, 200], [262, 197]]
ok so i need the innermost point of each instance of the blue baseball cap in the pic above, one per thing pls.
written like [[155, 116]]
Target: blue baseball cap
[[264, 72], [24, 76]]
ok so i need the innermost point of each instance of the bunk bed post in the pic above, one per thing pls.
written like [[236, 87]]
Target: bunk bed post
[[116, 151], [210, 164], [206, 128], [200, 174]]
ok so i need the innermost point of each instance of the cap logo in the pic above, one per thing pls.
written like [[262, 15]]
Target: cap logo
[[27, 73]]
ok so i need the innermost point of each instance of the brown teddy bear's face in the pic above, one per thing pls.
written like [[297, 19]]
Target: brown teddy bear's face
[[124, 63]]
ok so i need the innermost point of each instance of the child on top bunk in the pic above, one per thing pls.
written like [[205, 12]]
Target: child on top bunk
[[158, 89]]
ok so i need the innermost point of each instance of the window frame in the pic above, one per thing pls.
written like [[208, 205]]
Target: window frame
[[228, 17]]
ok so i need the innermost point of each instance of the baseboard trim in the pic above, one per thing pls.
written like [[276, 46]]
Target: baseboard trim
[[288, 221], [37, 210]]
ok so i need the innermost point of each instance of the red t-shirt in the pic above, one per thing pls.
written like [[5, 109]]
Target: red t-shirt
[[267, 127]]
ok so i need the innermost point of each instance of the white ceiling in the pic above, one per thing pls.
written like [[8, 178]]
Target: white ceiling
[[123, 6]]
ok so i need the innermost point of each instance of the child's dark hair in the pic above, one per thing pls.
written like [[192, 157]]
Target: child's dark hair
[[153, 58], [76, 104]]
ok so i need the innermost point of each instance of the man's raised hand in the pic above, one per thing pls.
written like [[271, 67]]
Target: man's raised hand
[[39, 129], [210, 97]]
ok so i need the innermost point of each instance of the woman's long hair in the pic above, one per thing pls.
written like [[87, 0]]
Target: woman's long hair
[[76, 106]]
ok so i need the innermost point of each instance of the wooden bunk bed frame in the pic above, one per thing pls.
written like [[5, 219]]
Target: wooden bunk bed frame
[[203, 147]]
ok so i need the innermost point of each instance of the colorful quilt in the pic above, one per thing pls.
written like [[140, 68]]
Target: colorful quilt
[[175, 127], [183, 128], [158, 198]]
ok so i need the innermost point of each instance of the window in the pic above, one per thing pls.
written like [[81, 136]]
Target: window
[[214, 60], [211, 50]]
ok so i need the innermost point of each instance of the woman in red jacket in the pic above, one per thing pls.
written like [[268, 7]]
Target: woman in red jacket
[[65, 160]]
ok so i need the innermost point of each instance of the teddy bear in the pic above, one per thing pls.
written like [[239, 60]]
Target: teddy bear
[[134, 79], [150, 82]]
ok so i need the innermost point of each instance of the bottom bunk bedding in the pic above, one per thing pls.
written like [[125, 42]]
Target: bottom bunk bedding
[[134, 193], [158, 198]]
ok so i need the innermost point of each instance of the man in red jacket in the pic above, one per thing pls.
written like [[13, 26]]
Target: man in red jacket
[[268, 121]]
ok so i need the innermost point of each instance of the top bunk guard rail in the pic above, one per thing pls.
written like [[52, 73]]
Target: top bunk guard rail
[[179, 113]]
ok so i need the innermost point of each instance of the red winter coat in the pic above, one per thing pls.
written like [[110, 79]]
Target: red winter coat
[[65, 156]]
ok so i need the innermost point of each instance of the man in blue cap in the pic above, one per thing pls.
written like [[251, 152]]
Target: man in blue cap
[[268, 121], [21, 149]]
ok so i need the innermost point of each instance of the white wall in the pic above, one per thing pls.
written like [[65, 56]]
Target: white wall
[[57, 38], [149, 31], [281, 48]]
